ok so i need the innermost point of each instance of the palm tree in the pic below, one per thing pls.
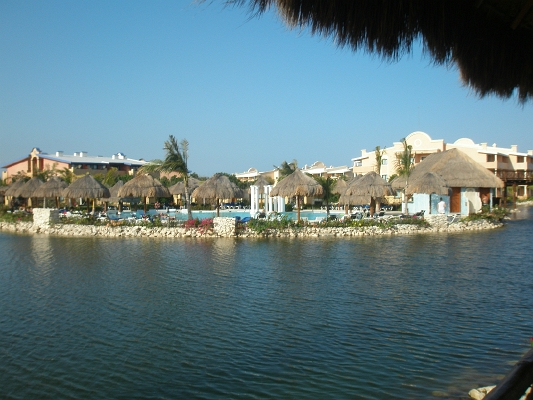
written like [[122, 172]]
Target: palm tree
[[285, 169], [379, 159], [176, 158], [327, 185], [404, 166]]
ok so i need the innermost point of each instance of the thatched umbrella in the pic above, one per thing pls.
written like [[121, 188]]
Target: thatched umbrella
[[27, 190], [143, 186], [115, 198], [491, 41], [53, 187], [179, 188], [13, 188], [86, 187], [217, 187], [369, 187], [297, 184], [429, 182], [339, 187]]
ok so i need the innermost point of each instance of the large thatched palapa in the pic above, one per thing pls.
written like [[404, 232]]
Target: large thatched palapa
[[144, 186], [179, 188], [12, 191], [86, 187], [297, 184], [429, 182], [490, 41], [218, 187], [53, 187], [370, 187]]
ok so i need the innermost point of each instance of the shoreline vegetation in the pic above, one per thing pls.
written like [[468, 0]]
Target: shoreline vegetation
[[255, 228]]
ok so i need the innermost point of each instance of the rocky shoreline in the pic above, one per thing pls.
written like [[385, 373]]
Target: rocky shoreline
[[225, 227]]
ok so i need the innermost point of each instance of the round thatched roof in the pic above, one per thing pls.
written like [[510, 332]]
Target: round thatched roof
[[114, 197], [143, 186], [429, 182], [53, 187], [3, 190], [28, 188], [297, 184], [457, 169], [339, 187], [490, 41], [179, 188], [86, 187], [217, 187], [261, 182], [369, 185], [14, 187]]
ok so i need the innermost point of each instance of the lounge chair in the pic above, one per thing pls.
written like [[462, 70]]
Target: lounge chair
[[244, 220]]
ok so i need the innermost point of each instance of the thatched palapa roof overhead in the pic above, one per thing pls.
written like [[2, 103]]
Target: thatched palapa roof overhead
[[179, 188], [28, 188], [297, 184], [429, 182], [217, 187], [490, 41], [143, 186], [53, 187], [261, 182], [456, 168], [339, 187], [370, 185], [86, 187], [14, 187]]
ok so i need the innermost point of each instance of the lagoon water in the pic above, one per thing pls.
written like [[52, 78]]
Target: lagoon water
[[410, 317]]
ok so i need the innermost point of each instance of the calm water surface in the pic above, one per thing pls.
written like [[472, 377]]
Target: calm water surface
[[414, 317]]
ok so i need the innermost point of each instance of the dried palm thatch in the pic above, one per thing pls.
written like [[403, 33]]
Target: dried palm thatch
[[490, 41], [86, 187], [53, 187], [297, 184], [179, 188], [429, 182], [339, 187], [3, 190], [261, 183], [13, 188], [457, 169], [29, 188], [114, 197], [216, 188], [370, 187], [144, 186]]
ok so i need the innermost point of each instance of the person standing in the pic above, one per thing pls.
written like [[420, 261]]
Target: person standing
[[441, 206]]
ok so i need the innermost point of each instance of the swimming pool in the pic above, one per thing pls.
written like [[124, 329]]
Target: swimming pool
[[181, 215]]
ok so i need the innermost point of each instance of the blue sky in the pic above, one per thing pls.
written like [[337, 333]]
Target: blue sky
[[121, 76]]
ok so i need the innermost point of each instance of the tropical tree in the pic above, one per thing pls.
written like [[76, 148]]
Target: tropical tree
[[404, 166], [67, 175], [327, 186], [379, 158], [176, 157], [285, 169], [109, 178]]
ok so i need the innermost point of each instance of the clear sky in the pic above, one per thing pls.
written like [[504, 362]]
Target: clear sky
[[122, 75]]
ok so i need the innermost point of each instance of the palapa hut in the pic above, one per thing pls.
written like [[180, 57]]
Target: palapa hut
[[3, 190], [86, 188], [27, 190], [12, 191], [116, 199], [490, 41], [468, 182], [297, 184], [370, 188], [53, 187], [218, 187], [144, 186], [179, 188]]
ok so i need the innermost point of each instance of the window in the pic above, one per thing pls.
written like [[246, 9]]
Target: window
[[490, 157], [520, 159], [385, 177], [358, 164], [384, 161]]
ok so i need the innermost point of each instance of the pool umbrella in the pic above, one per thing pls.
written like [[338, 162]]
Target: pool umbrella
[[351, 200], [28, 189], [53, 187], [144, 186], [297, 184], [86, 187], [10, 192], [370, 187], [429, 182], [115, 198], [179, 188], [217, 187]]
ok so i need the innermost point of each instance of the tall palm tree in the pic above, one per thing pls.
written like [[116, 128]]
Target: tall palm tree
[[327, 185], [285, 169], [404, 166], [176, 157], [379, 159]]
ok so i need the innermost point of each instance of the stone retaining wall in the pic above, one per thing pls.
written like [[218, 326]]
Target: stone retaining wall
[[224, 229]]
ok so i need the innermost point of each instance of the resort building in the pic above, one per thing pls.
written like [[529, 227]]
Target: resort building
[[512, 166], [79, 163], [316, 169]]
